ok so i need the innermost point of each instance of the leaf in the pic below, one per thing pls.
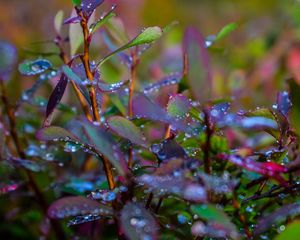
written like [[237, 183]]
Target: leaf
[[105, 145], [168, 149], [276, 216], [128, 130], [98, 24], [58, 21], [269, 169], [72, 206], [34, 67], [76, 2], [84, 219], [178, 106], [225, 31], [74, 77], [147, 36], [199, 70], [89, 6], [216, 218], [8, 58], [56, 95], [168, 184], [105, 87], [166, 81], [6, 188], [27, 164], [292, 231], [53, 133], [284, 103], [137, 222]]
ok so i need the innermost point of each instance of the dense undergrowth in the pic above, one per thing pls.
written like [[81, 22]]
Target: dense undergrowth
[[136, 155]]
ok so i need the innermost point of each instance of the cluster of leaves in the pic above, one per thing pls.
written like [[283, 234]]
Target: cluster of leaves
[[162, 160]]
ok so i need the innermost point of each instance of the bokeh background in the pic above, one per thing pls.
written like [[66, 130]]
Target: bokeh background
[[252, 64]]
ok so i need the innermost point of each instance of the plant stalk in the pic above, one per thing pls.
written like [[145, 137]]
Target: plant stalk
[[86, 63]]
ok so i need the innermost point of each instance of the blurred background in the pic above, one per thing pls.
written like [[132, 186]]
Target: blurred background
[[252, 63]]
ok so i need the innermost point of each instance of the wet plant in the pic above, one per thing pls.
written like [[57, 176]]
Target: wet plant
[[128, 158]]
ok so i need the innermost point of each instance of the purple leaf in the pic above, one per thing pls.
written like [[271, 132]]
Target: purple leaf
[[84, 219], [72, 206], [219, 111], [89, 6], [168, 149], [143, 107], [53, 133], [284, 103], [165, 185], [56, 95], [38, 66], [166, 81], [137, 223], [199, 69], [278, 215], [128, 130], [8, 58], [105, 145], [105, 87], [6, 188], [74, 19]]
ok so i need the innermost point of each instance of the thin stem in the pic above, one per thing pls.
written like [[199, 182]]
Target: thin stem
[[13, 132], [86, 63], [80, 97], [149, 200], [158, 205]]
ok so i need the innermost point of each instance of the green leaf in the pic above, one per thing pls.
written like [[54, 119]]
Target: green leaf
[[225, 31], [95, 26], [292, 231], [76, 2], [147, 36], [38, 66], [128, 130], [76, 36], [178, 106], [58, 21]]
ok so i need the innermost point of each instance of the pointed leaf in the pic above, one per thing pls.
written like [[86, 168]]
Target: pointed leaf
[[199, 69], [89, 6], [72, 206], [58, 21], [105, 145], [99, 23], [128, 130], [56, 95], [53, 133], [225, 31], [284, 103]]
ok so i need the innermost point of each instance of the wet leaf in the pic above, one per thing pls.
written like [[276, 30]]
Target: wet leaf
[[276, 216], [168, 184], [147, 36], [27, 164], [53, 133], [166, 81], [8, 58], [105, 145], [34, 67], [99, 23], [284, 103], [105, 87], [178, 106], [6, 188], [56, 95], [168, 149], [73, 206], [137, 223], [199, 71], [89, 6], [128, 130], [84, 219], [217, 220], [58, 21]]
